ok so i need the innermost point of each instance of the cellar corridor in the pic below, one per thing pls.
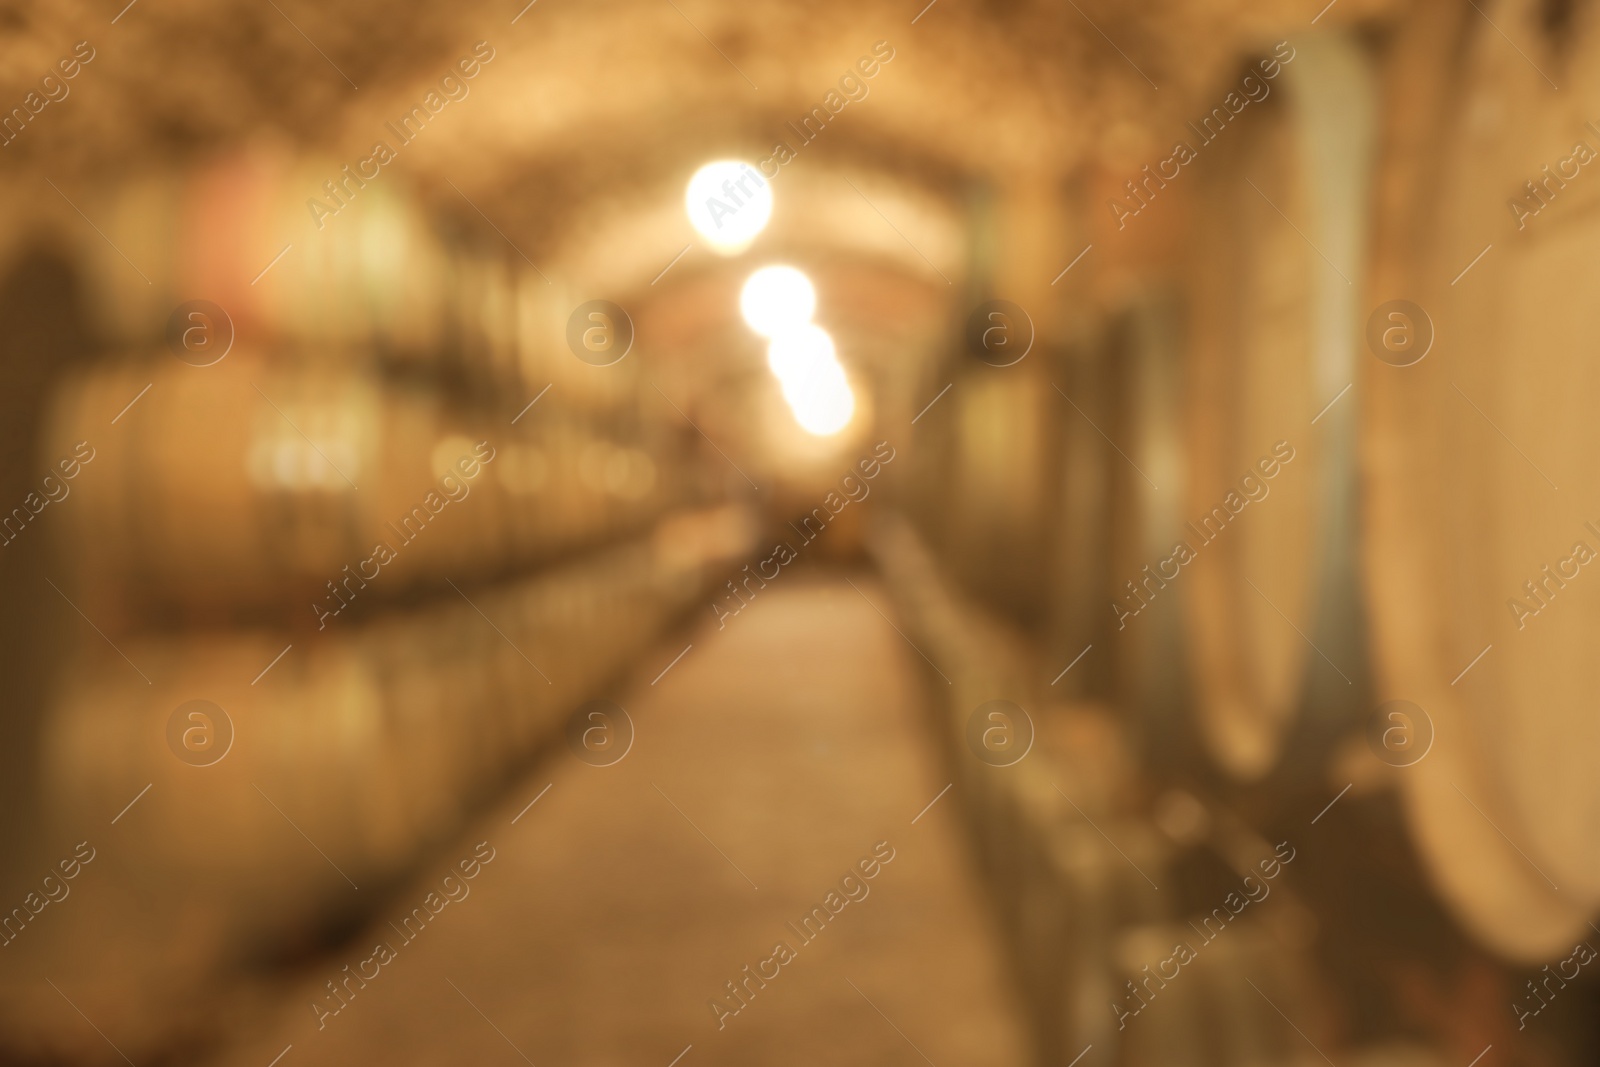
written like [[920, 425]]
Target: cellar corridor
[[767, 763], [856, 533]]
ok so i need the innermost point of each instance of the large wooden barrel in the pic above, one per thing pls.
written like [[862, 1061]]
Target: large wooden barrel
[[1095, 881], [371, 743], [251, 483], [239, 231], [1265, 553], [254, 483], [1483, 499], [1000, 421]]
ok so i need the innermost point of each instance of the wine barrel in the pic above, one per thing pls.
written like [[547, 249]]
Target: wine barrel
[[1265, 553], [241, 834], [372, 744], [1482, 499], [242, 232], [1074, 863], [299, 472], [1002, 443], [252, 483]]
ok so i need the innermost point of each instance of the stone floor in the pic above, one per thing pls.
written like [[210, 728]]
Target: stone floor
[[767, 762]]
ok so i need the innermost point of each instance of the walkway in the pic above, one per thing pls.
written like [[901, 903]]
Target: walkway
[[768, 763]]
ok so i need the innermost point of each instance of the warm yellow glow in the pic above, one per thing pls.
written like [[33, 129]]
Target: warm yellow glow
[[728, 202], [813, 381], [822, 401], [791, 353], [777, 300]]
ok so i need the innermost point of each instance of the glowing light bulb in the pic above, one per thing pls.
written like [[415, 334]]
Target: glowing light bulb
[[777, 300], [813, 381], [728, 202], [792, 353], [824, 405]]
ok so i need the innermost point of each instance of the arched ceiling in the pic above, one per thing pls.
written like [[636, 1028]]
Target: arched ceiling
[[585, 96], [576, 139]]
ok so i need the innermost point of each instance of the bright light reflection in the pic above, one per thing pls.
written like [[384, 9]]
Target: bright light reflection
[[777, 300], [728, 202], [793, 352], [813, 381], [825, 408]]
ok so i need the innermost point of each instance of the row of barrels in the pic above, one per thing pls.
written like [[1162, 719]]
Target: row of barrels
[[1479, 506], [259, 486], [1217, 440], [1320, 453], [256, 790], [1095, 877], [301, 416], [236, 238], [1149, 419], [1373, 402]]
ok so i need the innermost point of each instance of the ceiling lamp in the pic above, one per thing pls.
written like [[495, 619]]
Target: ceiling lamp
[[821, 400], [728, 202], [794, 352], [813, 381], [776, 300]]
